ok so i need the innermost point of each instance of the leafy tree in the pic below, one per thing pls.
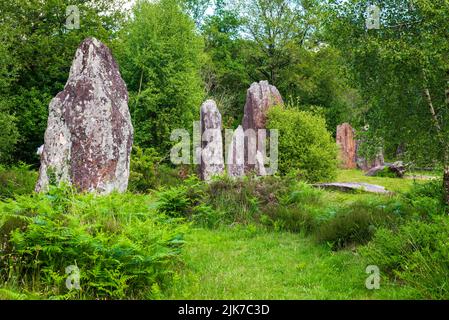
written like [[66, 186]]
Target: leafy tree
[[225, 72], [42, 48], [402, 70], [160, 56]]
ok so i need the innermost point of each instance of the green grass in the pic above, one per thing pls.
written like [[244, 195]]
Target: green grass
[[247, 263], [391, 184]]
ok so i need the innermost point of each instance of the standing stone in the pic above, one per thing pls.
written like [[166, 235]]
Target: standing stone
[[89, 134], [347, 144], [211, 141], [236, 154], [259, 99]]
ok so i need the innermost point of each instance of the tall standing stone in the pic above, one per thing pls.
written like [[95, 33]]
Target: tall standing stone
[[211, 141], [236, 154], [259, 99], [347, 145], [89, 134]]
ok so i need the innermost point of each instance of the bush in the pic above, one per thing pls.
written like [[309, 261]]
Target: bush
[[299, 210], [427, 198], [148, 172], [417, 253], [122, 247], [305, 145], [17, 180], [245, 200], [8, 135], [180, 201], [357, 223]]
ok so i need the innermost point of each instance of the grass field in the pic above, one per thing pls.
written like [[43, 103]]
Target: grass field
[[246, 263], [251, 263]]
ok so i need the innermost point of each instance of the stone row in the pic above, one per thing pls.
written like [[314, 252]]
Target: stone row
[[246, 152]]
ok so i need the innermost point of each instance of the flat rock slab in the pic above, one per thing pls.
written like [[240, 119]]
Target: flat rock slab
[[349, 186]]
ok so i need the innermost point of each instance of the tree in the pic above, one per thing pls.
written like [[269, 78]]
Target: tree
[[402, 70], [277, 28], [41, 49], [160, 57], [225, 73]]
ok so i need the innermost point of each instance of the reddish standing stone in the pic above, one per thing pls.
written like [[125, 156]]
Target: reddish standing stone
[[347, 144]]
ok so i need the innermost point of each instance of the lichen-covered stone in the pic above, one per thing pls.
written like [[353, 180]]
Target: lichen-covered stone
[[212, 162], [259, 99], [89, 134], [347, 145], [236, 154]]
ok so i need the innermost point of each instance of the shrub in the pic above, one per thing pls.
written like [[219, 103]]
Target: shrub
[[244, 200], [305, 145], [148, 172], [356, 223], [122, 247], [17, 180], [180, 201], [417, 253], [427, 198], [9, 135], [299, 209]]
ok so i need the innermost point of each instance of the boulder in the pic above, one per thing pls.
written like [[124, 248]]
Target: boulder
[[397, 168], [351, 186], [375, 171], [211, 162], [260, 98], [89, 134], [347, 145]]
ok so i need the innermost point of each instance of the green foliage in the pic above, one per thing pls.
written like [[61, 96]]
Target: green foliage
[[16, 180], [9, 136], [123, 248], [356, 223], [160, 58], [143, 169], [304, 144], [400, 70], [149, 172], [36, 52], [417, 253], [244, 200], [180, 201], [427, 198]]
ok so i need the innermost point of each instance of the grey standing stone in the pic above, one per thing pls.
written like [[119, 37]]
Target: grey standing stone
[[236, 154], [212, 162], [259, 99], [89, 133]]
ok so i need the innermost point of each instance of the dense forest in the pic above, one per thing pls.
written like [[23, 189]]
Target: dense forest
[[390, 82]]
